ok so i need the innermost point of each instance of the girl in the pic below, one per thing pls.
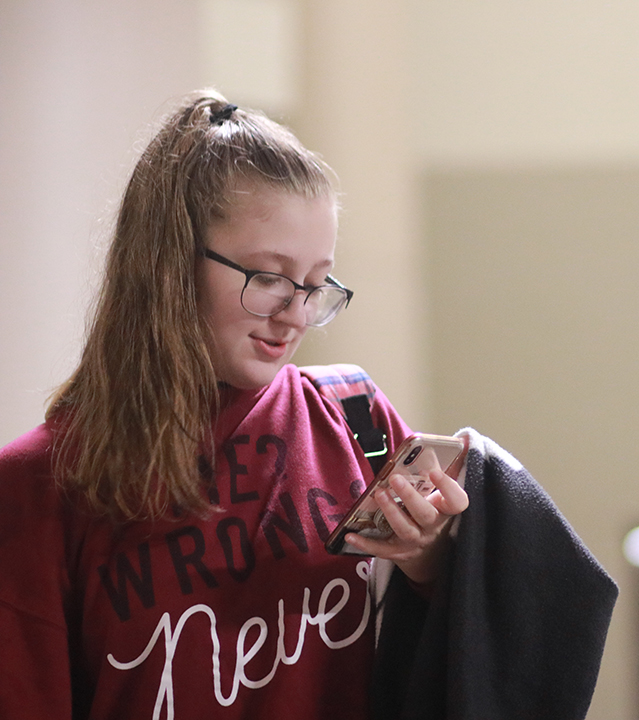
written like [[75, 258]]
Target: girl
[[161, 539]]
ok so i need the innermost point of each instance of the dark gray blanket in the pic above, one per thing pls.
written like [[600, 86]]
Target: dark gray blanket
[[517, 625]]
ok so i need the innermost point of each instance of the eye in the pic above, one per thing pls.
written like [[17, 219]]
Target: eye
[[268, 281]]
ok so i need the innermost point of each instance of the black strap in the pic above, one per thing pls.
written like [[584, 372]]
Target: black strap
[[371, 439]]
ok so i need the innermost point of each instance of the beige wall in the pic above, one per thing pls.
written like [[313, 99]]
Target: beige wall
[[530, 150], [489, 156], [499, 82], [534, 282], [355, 112]]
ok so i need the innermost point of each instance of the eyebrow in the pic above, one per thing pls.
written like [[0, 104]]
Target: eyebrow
[[280, 257]]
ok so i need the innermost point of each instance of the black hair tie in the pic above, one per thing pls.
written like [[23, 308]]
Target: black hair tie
[[217, 118]]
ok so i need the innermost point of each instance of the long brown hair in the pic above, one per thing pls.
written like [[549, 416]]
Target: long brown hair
[[135, 414]]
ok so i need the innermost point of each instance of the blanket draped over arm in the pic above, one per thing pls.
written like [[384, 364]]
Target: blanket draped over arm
[[517, 625]]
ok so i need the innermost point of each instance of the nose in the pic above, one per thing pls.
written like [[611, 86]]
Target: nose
[[294, 314]]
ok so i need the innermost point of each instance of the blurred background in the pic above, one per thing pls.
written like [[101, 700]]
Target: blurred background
[[489, 160]]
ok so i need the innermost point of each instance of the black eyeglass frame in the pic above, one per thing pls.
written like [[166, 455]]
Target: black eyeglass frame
[[308, 289]]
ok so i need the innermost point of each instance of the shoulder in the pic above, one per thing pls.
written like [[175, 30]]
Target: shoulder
[[30, 454], [340, 380], [343, 380], [328, 385], [297, 392], [29, 495], [33, 524]]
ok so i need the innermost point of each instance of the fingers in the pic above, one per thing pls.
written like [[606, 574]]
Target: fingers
[[425, 518], [449, 497], [420, 512], [421, 533], [386, 549], [414, 524], [407, 538]]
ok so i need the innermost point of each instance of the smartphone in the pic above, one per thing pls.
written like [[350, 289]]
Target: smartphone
[[414, 459]]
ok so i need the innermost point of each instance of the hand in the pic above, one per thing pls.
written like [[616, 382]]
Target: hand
[[420, 537]]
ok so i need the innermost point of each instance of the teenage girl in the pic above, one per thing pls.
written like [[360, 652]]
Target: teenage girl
[[161, 534]]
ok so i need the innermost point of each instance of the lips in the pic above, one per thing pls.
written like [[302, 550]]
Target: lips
[[271, 348]]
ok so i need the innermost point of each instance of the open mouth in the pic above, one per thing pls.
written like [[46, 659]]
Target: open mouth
[[269, 341], [271, 348]]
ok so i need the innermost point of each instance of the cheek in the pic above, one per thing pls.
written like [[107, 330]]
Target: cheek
[[222, 313], [217, 302]]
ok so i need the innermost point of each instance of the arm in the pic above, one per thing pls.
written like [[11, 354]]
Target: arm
[[34, 680], [34, 648]]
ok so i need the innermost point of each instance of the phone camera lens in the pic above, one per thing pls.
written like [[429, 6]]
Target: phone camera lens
[[412, 455]]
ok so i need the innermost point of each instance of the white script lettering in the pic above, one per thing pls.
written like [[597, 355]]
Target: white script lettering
[[245, 654]]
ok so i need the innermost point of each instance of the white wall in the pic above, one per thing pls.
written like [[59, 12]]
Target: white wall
[[78, 82]]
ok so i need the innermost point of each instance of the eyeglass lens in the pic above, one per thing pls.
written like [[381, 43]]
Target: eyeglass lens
[[266, 294]]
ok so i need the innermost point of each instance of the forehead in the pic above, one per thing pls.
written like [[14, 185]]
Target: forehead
[[263, 219], [250, 198]]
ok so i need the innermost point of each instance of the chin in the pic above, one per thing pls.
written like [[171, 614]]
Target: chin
[[253, 378]]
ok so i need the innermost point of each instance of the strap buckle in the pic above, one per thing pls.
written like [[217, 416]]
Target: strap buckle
[[374, 436]]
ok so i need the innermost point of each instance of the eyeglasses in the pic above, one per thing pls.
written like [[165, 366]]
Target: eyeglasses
[[265, 293]]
